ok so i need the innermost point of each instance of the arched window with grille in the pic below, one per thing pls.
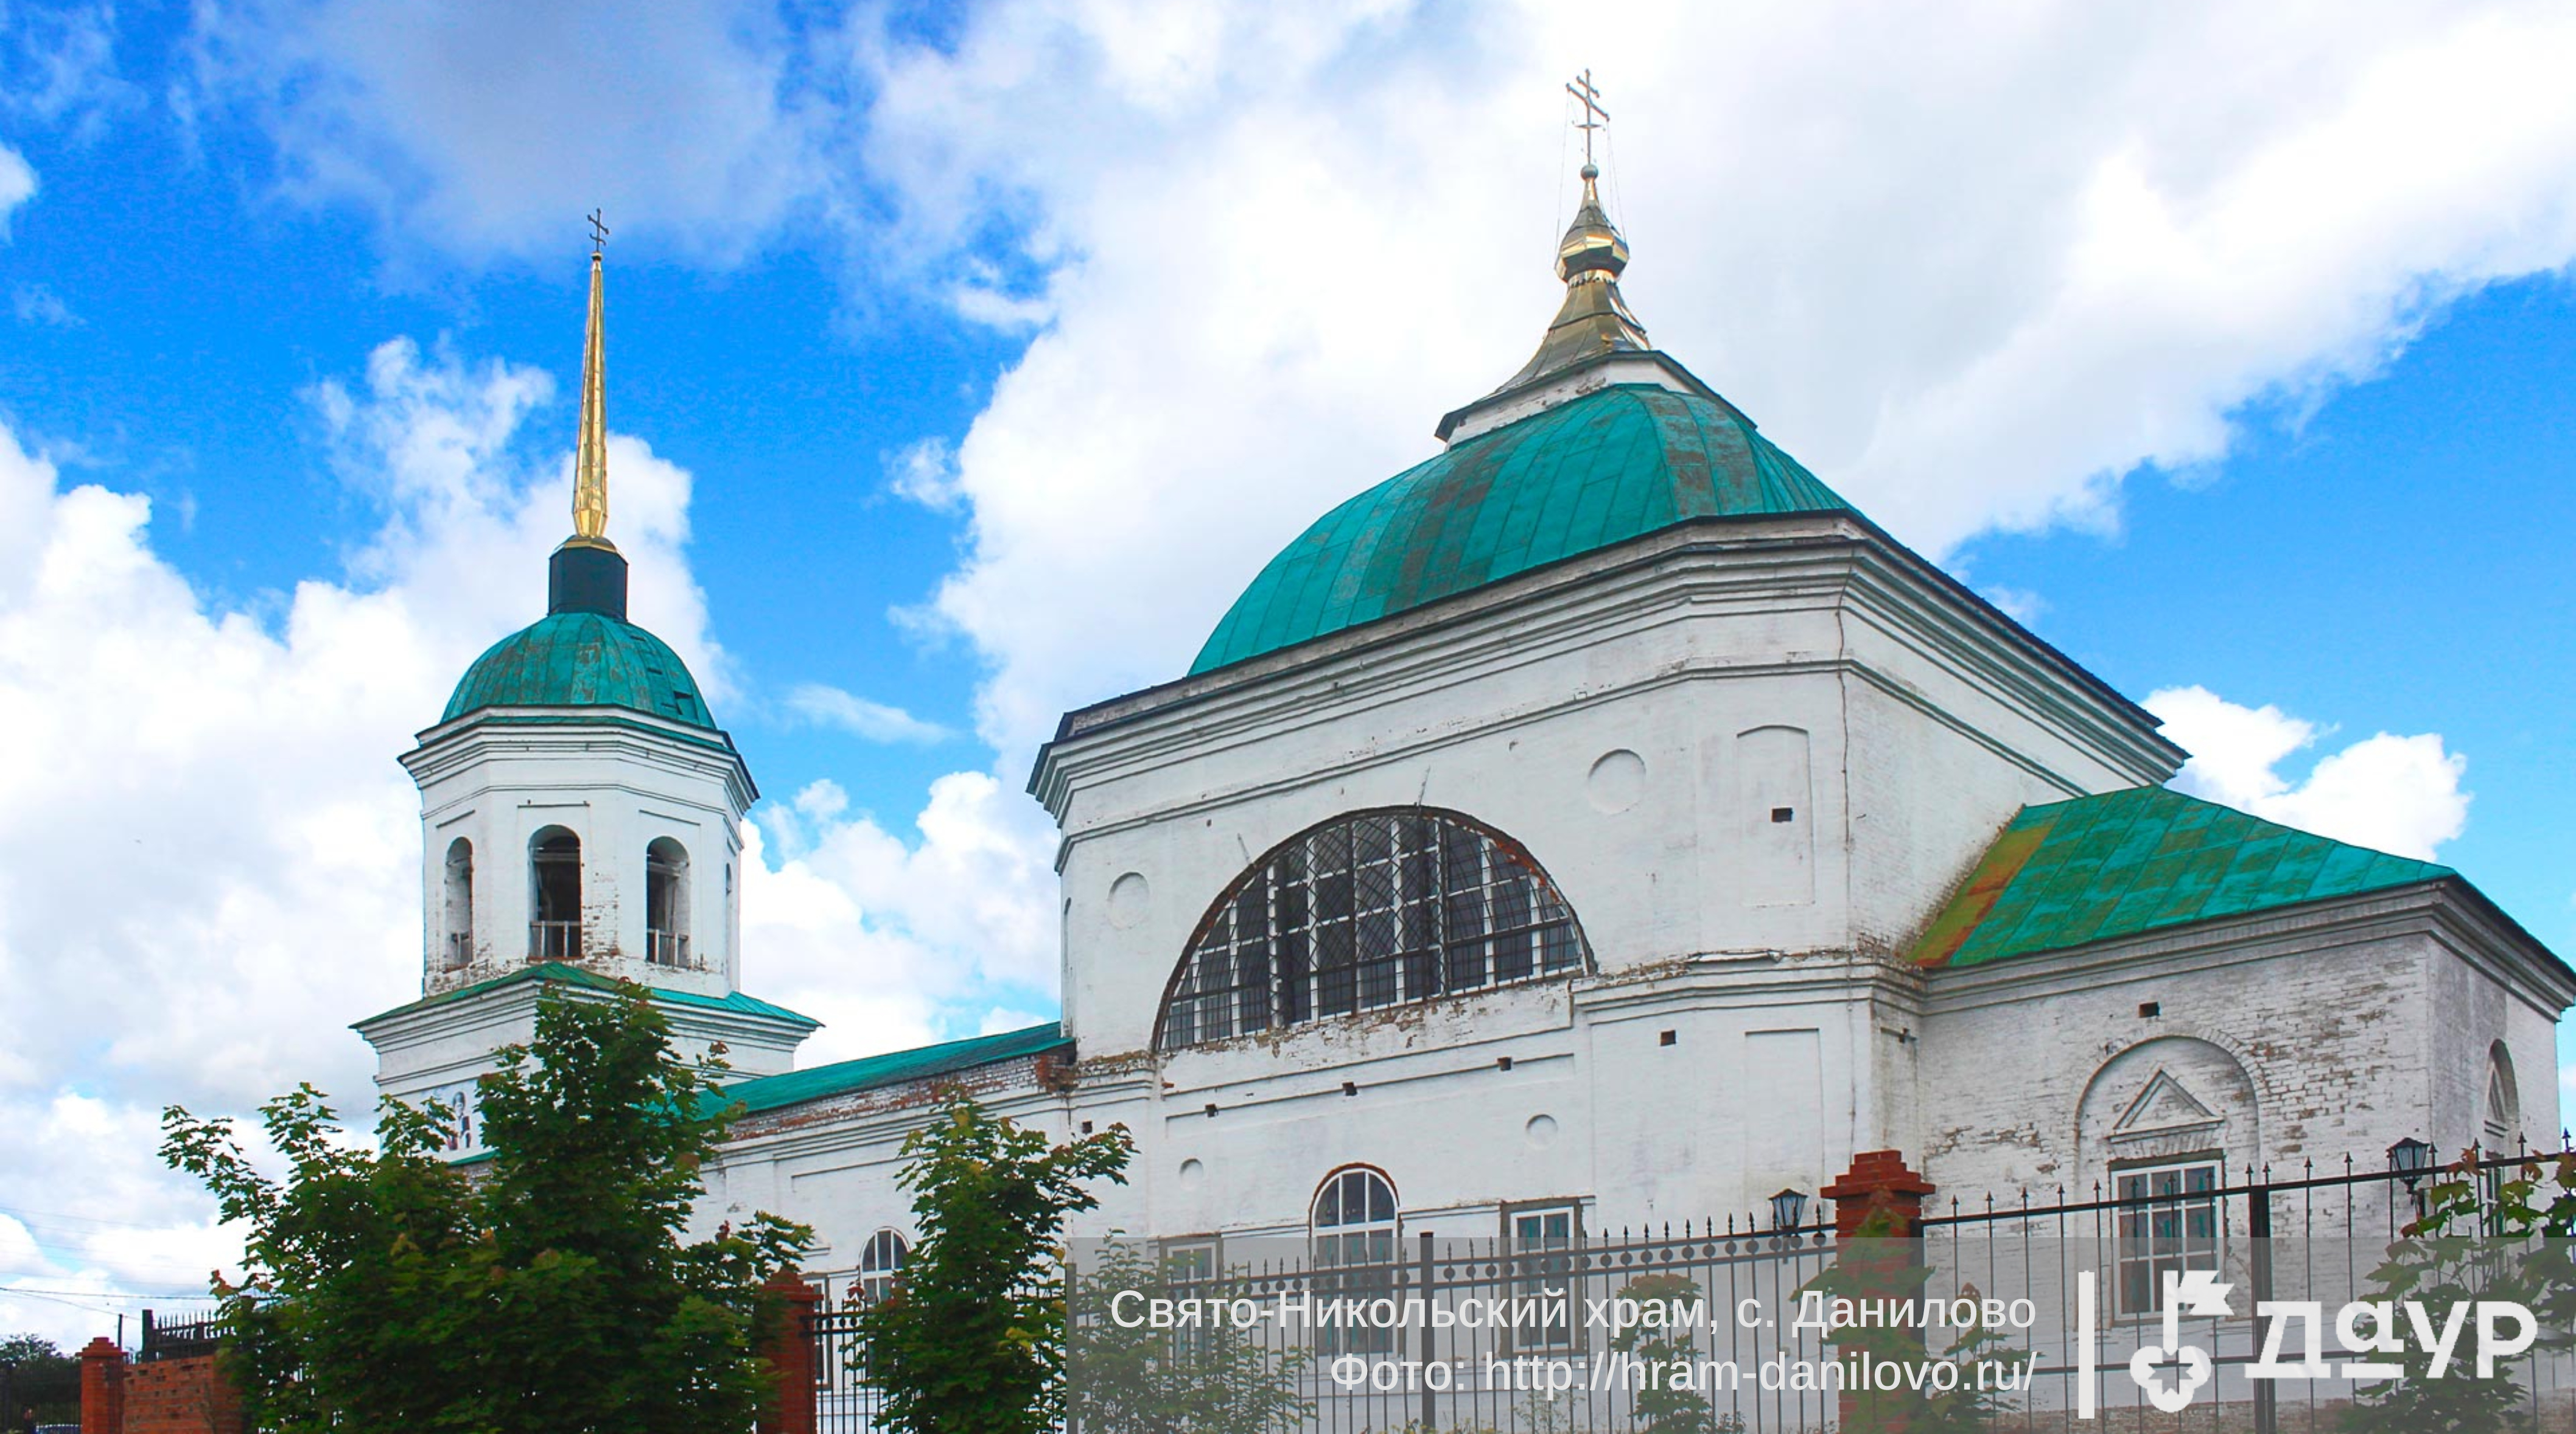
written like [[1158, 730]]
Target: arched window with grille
[[1368, 910], [1354, 1233], [881, 1265]]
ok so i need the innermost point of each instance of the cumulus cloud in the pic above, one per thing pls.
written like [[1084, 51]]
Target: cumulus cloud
[[874, 721], [76, 1251], [2390, 793], [871, 933], [208, 859], [467, 128], [1270, 250], [1259, 251]]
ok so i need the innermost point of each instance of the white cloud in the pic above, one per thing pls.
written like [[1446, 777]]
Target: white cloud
[[58, 63], [2020, 604], [208, 859], [1002, 1019], [2389, 793], [17, 185], [488, 127], [1273, 248], [926, 473], [36, 304], [874, 721], [1261, 250], [872, 934]]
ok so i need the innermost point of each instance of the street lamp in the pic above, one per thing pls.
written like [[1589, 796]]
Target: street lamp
[[2411, 1159], [1787, 1209]]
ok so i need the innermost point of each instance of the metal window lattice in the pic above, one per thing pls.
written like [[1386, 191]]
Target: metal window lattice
[[1371, 911]]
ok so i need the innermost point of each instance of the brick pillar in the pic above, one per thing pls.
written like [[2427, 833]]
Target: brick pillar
[[789, 1351], [1877, 1185], [102, 1387], [1877, 1180]]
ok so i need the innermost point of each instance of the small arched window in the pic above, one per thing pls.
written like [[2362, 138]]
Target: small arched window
[[2501, 1133], [666, 902], [881, 1265], [1355, 1230], [1368, 910], [554, 880], [457, 913]]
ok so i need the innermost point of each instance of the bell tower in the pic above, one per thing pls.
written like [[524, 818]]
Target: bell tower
[[581, 820]]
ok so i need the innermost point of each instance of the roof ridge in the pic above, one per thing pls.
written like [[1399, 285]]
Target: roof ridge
[[885, 1068]]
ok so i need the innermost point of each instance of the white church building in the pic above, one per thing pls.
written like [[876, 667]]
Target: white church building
[[1599, 823]]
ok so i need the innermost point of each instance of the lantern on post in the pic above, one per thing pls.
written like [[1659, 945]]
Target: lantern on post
[[2411, 1160], [1787, 1209]]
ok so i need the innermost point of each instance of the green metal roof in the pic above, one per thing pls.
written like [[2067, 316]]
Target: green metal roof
[[892, 1068], [570, 975], [2141, 860], [582, 659], [1610, 466]]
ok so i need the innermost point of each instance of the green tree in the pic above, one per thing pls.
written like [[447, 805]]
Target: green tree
[[36, 1375], [972, 1340], [384, 1289], [2483, 1235]]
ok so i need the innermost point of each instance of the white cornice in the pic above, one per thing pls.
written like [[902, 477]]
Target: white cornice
[[1810, 563], [579, 733], [416, 1024]]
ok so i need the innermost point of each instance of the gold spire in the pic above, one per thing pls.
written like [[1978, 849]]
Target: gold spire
[[590, 466], [1594, 319]]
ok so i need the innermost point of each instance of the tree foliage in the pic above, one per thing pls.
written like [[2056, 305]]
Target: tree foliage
[[2485, 1233], [556, 1294], [34, 1375], [972, 1340]]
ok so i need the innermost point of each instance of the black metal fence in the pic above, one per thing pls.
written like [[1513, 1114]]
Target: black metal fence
[[845, 1400], [1483, 1347], [178, 1339], [2308, 1235]]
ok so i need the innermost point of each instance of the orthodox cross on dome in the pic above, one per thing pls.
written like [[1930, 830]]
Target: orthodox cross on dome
[[590, 463], [1594, 117], [1594, 320]]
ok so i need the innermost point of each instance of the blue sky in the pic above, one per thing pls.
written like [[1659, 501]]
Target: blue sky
[[962, 372]]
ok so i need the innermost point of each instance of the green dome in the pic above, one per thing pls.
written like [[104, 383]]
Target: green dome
[[1586, 475], [582, 659]]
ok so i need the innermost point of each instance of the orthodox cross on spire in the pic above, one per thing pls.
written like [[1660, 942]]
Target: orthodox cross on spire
[[1594, 117], [590, 463]]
